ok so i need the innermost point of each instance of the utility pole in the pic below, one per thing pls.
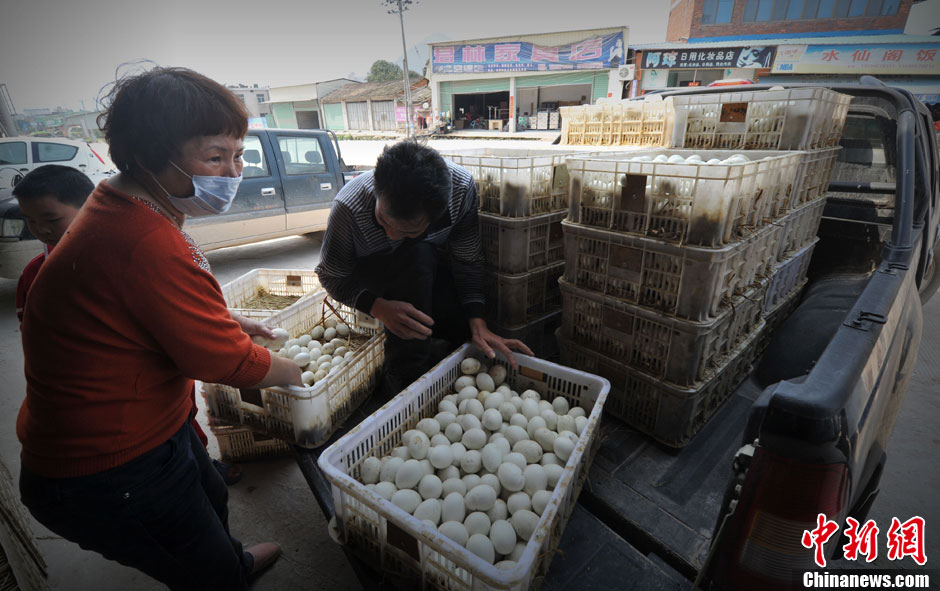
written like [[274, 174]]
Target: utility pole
[[409, 108]]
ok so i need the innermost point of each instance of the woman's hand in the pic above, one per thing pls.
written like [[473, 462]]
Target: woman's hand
[[486, 341], [253, 327]]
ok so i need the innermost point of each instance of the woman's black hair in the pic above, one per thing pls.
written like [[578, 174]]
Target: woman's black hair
[[413, 181], [149, 116]]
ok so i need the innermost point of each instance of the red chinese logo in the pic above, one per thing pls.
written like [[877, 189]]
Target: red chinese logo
[[506, 52], [907, 539], [926, 55], [444, 55], [590, 49], [864, 541], [544, 54], [474, 53], [816, 538], [893, 55], [861, 55], [830, 56]]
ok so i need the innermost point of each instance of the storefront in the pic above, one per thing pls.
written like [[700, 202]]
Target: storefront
[[677, 65], [905, 61], [498, 83]]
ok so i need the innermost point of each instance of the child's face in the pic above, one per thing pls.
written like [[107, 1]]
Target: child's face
[[47, 217]]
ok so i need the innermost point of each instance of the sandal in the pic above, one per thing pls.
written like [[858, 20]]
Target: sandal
[[230, 472]]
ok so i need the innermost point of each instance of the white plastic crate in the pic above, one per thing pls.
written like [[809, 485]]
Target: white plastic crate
[[667, 413], [242, 293], [800, 228], [519, 245], [307, 416], [789, 276], [411, 551], [782, 119], [635, 123], [698, 204], [512, 300], [517, 183], [694, 283], [676, 351], [812, 177], [240, 444]]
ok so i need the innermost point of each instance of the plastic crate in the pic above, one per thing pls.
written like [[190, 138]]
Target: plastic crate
[[694, 283], [294, 283], [698, 204], [519, 245], [800, 228], [667, 413], [240, 444], [812, 178], [538, 335], [513, 300], [666, 348], [788, 276], [636, 123], [414, 554], [784, 119], [778, 315], [306, 416], [517, 183]]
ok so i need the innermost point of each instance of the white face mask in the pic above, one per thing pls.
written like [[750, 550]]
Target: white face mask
[[214, 194]]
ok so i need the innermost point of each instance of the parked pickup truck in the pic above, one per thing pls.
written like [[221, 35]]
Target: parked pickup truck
[[806, 431], [290, 179]]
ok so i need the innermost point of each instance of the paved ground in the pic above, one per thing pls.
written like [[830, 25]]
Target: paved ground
[[273, 502]]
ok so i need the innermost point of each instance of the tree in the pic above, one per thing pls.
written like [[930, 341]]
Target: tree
[[383, 71]]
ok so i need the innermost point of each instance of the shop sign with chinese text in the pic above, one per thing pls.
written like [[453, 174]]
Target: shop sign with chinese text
[[889, 58], [518, 56], [753, 56]]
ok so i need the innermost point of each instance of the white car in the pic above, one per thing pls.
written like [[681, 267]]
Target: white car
[[19, 155]]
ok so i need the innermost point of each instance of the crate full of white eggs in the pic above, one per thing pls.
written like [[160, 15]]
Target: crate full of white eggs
[[466, 479], [341, 353], [697, 197]]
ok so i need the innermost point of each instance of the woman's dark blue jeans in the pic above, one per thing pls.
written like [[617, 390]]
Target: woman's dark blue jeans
[[164, 513]]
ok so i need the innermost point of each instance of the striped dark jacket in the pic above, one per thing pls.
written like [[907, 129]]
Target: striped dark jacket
[[353, 233]]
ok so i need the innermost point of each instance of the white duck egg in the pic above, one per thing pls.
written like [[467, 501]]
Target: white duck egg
[[406, 500]]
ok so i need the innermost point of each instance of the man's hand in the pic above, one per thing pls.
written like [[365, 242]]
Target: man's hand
[[402, 319], [253, 327], [486, 341]]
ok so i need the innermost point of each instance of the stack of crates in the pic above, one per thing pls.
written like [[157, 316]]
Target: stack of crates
[[677, 259], [523, 199], [644, 123]]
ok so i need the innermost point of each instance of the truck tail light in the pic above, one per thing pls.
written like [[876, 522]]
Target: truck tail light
[[781, 498]]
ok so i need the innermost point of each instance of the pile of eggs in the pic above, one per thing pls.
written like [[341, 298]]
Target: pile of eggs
[[693, 159], [320, 353], [482, 469]]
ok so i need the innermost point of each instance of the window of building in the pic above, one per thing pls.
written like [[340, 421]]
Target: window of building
[[809, 8], [780, 10], [842, 9], [758, 10], [857, 7], [795, 10], [825, 8], [260, 98], [717, 11], [890, 7]]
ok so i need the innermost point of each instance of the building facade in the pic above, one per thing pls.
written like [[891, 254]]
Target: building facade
[[701, 21], [298, 106], [254, 97], [495, 81], [375, 106]]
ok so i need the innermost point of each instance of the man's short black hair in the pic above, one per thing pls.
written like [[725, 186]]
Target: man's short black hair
[[151, 115], [68, 185], [413, 181]]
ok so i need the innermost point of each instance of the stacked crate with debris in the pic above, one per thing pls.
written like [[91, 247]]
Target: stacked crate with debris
[[628, 123], [675, 258], [523, 199]]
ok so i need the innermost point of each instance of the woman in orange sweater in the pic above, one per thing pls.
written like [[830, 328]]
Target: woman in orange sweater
[[122, 317]]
